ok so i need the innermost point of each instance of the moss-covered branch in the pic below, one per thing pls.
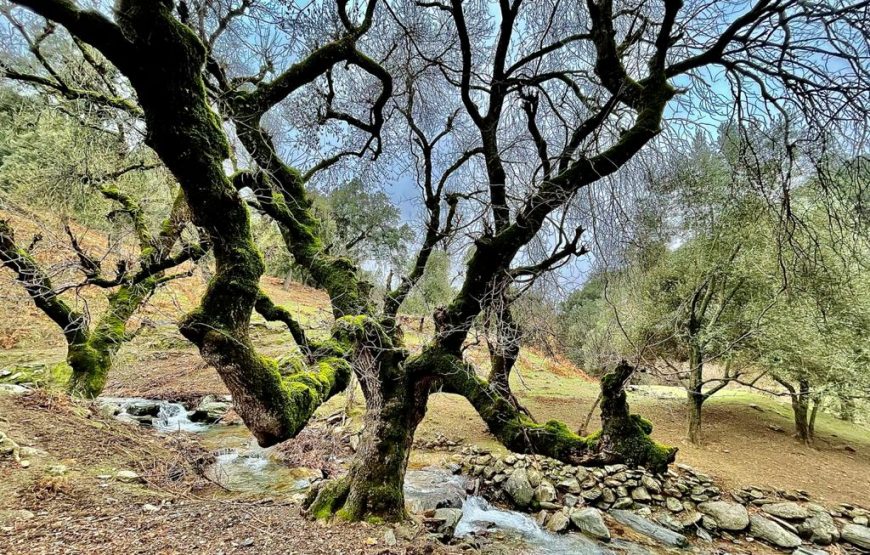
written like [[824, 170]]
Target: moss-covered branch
[[623, 438], [274, 313], [38, 285]]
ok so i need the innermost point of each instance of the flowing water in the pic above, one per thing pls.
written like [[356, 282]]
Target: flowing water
[[241, 465]]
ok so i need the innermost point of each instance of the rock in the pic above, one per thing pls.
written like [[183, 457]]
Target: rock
[[808, 551], [649, 529], [519, 489], [12, 389], [857, 535], [861, 520], [570, 500], [703, 534], [209, 410], [590, 522], [571, 485], [545, 492], [651, 484], [247, 542], [446, 521], [623, 503], [591, 495], [390, 538], [640, 494], [728, 516], [433, 488], [558, 522], [673, 504], [668, 520], [535, 477], [149, 508], [127, 476], [819, 528], [772, 532], [143, 408], [788, 510]]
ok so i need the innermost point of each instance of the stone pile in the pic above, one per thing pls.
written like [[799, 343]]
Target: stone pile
[[680, 501], [439, 443]]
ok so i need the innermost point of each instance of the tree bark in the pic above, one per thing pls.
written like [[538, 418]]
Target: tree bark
[[695, 394]]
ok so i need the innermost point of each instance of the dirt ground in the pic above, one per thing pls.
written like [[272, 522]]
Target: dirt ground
[[747, 442], [83, 512]]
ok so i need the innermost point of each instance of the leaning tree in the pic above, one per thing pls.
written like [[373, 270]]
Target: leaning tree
[[543, 100], [91, 169]]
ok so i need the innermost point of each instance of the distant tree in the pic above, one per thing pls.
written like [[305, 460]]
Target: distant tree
[[99, 179]]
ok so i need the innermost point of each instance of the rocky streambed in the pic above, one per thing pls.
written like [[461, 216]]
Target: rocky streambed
[[679, 508], [535, 504]]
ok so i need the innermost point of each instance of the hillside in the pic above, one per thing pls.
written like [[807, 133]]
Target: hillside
[[748, 435]]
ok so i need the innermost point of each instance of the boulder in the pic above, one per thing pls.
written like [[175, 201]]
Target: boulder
[[143, 408], [819, 528], [640, 494], [545, 492], [209, 410], [772, 532], [788, 510], [433, 488], [728, 516], [518, 488], [571, 485], [558, 522], [590, 522], [649, 529], [808, 551], [857, 535], [445, 520], [591, 495], [673, 504]]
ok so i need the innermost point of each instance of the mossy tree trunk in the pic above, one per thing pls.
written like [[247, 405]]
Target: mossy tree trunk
[[695, 394], [801, 399]]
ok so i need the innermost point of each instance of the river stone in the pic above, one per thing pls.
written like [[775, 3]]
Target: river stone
[[545, 492], [819, 527], [857, 535], [519, 489], [143, 408], [591, 495], [640, 494], [787, 510], [571, 485], [447, 519], [673, 504], [728, 516], [433, 488], [772, 532], [535, 477], [808, 551], [649, 529], [210, 410], [650, 484], [623, 503], [558, 522], [590, 522]]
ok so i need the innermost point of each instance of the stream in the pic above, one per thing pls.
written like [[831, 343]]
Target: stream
[[243, 466]]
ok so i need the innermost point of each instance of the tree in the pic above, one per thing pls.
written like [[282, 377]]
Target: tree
[[584, 89]]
